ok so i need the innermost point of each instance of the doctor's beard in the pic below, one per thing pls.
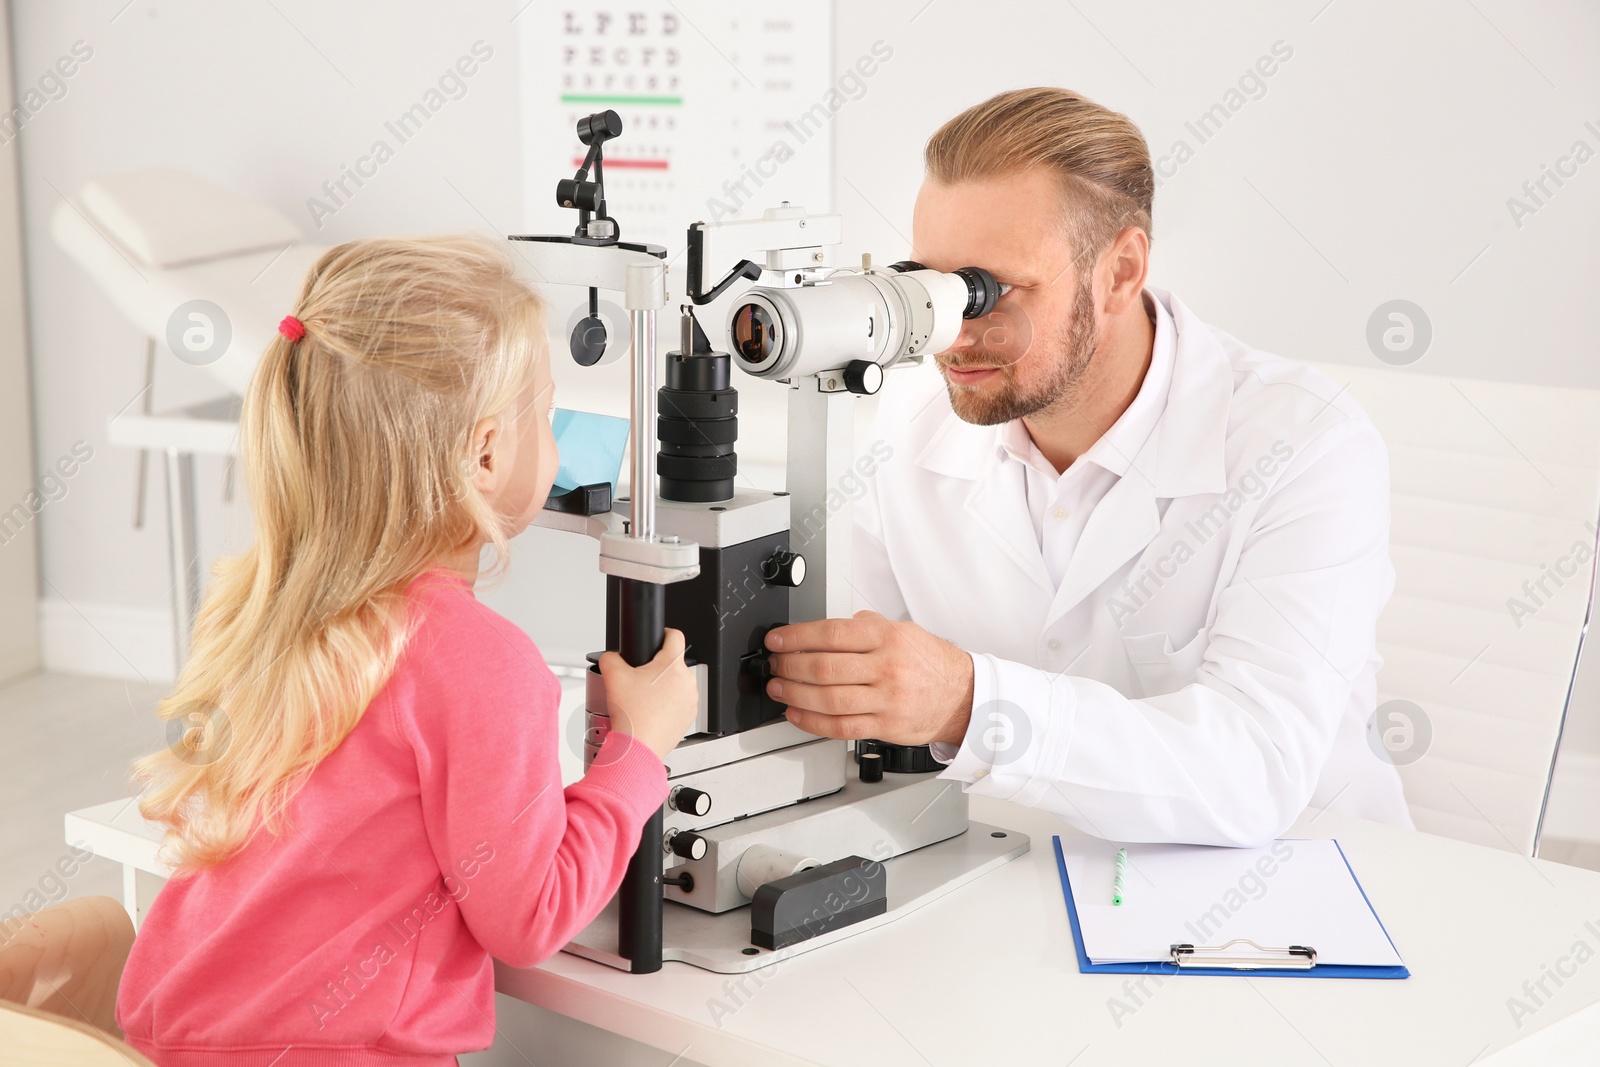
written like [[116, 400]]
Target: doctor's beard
[[990, 404]]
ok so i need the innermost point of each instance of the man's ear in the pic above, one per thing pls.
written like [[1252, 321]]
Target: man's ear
[[1126, 264], [483, 457]]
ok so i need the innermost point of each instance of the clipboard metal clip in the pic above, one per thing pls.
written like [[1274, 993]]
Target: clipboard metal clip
[[1292, 958]]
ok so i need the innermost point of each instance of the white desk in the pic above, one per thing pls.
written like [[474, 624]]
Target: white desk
[[988, 975]]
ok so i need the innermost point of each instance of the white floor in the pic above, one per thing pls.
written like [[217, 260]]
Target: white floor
[[65, 742]]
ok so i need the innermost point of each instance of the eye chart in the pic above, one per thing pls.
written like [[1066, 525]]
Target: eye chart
[[726, 110]]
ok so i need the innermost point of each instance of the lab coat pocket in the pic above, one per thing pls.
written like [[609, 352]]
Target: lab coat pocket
[[1159, 667]]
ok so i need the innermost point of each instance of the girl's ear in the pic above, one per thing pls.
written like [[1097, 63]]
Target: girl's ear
[[486, 465]]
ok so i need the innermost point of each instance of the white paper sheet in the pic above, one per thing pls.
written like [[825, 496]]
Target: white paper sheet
[[1293, 892]]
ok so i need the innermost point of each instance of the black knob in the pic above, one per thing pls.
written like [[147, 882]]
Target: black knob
[[871, 767], [899, 759], [601, 126], [588, 341], [863, 377], [785, 568], [689, 845], [570, 192], [759, 664], [690, 801]]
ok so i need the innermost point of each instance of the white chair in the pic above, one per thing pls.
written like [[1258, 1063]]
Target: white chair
[[157, 241], [1496, 496]]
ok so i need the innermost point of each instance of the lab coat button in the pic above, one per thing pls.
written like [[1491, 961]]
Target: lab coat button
[[1059, 513], [1053, 645]]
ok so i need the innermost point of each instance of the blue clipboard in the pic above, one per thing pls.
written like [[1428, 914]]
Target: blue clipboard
[[1320, 970]]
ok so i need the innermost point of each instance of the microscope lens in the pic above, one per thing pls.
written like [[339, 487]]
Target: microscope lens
[[753, 336]]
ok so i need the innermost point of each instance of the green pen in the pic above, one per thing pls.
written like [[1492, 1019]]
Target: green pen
[[1119, 883]]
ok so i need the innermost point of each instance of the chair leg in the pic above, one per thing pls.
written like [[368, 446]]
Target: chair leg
[[184, 552], [142, 471]]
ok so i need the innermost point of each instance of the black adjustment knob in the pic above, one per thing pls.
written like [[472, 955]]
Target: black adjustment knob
[[899, 759], [863, 377], [689, 845], [689, 800], [601, 126], [759, 665], [785, 568], [871, 767], [588, 341]]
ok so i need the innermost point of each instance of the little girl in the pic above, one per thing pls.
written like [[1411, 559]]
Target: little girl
[[365, 808]]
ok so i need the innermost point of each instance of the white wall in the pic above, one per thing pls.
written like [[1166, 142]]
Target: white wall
[[266, 103], [19, 481], [1376, 164]]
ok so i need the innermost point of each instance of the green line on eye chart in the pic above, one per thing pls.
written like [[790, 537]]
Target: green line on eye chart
[[592, 98]]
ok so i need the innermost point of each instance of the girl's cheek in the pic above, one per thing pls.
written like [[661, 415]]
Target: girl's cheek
[[549, 460]]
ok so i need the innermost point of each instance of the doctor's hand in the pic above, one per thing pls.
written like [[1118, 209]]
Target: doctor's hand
[[869, 677]]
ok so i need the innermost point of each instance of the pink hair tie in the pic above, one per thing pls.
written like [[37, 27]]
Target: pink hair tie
[[292, 328]]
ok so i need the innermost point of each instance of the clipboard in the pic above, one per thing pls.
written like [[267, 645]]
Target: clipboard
[[1289, 961]]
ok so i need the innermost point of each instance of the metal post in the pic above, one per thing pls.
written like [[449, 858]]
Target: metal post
[[643, 511], [821, 425], [641, 609]]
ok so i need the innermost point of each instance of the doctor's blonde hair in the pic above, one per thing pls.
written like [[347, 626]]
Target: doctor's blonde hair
[[1098, 155], [355, 444]]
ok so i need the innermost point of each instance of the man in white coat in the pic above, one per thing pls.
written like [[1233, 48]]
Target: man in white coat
[[1118, 565]]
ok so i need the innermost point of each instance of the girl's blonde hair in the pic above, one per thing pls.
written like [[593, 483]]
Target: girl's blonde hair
[[355, 445]]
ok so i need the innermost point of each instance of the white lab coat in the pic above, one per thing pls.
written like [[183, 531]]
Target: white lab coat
[[1206, 668]]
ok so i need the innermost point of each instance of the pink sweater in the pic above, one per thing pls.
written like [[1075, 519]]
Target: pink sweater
[[436, 836]]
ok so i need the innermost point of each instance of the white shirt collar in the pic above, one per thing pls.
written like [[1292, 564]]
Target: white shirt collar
[[1118, 448]]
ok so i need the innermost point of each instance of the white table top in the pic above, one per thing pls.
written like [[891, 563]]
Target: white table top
[[989, 973], [117, 832]]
